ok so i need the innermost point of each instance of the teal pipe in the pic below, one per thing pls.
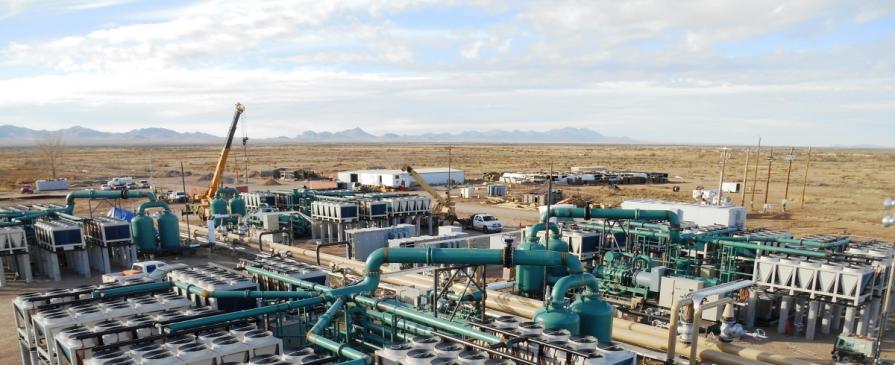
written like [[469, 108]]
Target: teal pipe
[[468, 256], [563, 285], [289, 280], [339, 349], [130, 289], [674, 222], [104, 194], [428, 319], [532, 233], [243, 314], [787, 250], [154, 204], [245, 293], [400, 323]]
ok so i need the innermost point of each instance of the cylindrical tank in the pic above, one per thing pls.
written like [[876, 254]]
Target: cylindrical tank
[[237, 207], [557, 317], [530, 279], [218, 206], [595, 315], [169, 230], [143, 233], [556, 244]]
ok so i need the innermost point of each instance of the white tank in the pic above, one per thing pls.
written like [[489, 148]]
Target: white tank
[[229, 349], [448, 350], [419, 357], [263, 343], [196, 354], [851, 276], [472, 357], [425, 342], [160, 357]]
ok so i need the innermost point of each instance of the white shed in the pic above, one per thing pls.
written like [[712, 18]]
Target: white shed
[[439, 175], [702, 215], [387, 178]]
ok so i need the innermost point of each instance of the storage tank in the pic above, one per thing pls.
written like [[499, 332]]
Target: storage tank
[[554, 243], [554, 317], [169, 230], [144, 233], [218, 206], [595, 316], [237, 207], [530, 279]]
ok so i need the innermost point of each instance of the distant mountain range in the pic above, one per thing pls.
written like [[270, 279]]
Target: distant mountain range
[[80, 136]]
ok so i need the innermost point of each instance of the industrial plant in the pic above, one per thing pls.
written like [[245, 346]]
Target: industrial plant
[[383, 270]]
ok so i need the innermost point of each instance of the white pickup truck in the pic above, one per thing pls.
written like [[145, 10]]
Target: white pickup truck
[[484, 222], [154, 270]]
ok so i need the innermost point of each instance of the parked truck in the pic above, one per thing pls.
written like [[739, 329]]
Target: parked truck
[[483, 222]]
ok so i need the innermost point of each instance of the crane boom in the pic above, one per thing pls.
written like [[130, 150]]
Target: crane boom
[[222, 160], [443, 204]]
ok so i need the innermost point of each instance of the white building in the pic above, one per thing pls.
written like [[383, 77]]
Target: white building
[[439, 175], [702, 215], [394, 178]]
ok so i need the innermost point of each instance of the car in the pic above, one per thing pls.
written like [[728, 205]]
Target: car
[[131, 185], [484, 222], [26, 189], [177, 197], [105, 187], [139, 269], [144, 184]]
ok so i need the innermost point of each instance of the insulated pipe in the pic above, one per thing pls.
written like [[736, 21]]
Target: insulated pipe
[[243, 314], [104, 194], [428, 319], [710, 356], [245, 293], [340, 349], [791, 241], [674, 222], [130, 289]]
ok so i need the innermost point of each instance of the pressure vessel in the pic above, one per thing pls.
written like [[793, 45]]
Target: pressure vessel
[[556, 244], [169, 230], [237, 207], [218, 206], [530, 279], [143, 233], [553, 316], [595, 315]]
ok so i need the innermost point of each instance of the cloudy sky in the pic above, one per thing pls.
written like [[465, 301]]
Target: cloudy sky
[[794, 72]]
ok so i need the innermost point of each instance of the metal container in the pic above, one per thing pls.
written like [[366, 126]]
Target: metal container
[[557, 245], [595, 316], [169, 230], [144, 233], [554, 317], [530, 279]]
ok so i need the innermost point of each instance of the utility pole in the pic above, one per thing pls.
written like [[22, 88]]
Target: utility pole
[[725, 154], [789, 158], [450, 148], [245, 155], [745, 177], [767, 184], [755, 175], [888, 221], [805, 180], [187, 205]]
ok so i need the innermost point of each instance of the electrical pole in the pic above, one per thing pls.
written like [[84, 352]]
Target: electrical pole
[[790, 158], [767, 185], [888, 221], [450, 148], [725, 154], [745, 177], [805, 180], [187, 205], [755, 175]]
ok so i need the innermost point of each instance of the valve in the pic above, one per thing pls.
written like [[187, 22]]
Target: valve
[[685, 328]]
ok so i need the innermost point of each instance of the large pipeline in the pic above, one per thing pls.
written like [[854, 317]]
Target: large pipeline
[[526, 307]]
